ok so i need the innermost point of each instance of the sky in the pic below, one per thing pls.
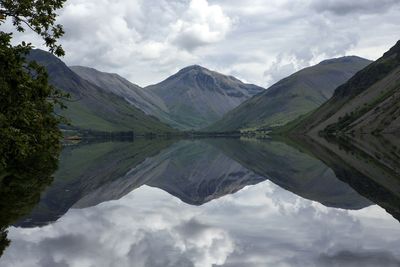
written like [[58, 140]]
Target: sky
[[258, 41]]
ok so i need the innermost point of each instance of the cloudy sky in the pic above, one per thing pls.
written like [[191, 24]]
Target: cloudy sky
[[259, 41]]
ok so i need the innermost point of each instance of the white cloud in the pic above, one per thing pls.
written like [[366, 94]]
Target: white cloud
[[130, 37], [343, 7], [201, 24]]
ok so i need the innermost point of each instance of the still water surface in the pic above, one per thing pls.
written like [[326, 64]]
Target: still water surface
[[216, 202]]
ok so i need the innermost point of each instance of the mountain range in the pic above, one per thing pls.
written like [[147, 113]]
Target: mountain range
[[189, 100], [342, 95]]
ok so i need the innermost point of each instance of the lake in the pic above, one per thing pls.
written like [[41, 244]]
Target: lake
[[229, 202]]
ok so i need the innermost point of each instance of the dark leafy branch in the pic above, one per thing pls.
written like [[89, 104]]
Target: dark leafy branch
[[37, 15]]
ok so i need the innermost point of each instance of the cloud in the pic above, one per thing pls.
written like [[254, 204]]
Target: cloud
[[201, 24], [123, 36], [365, 258], [273, 39], [283, 66], [344, 7], [129, 36], [215, 242]]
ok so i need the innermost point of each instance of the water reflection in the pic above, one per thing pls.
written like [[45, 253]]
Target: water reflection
[[293, 170], [148, 203], [195, 171], [369, 165], [261, 225], [84, 169]]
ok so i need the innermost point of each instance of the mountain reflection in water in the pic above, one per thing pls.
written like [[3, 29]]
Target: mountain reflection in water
[[217, 202]]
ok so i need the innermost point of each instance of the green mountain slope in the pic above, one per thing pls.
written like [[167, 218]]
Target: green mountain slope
[[197, 97], [291, 97], [141, 98], [368, 103], [92, 107]]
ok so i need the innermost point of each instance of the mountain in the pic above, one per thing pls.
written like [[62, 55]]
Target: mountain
[[291, 97], [92, 107], [197, 97], [368, 103], [141, 98]]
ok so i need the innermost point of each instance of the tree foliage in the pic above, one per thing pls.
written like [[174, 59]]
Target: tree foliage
[[27, 121], [28, 124], [37, 15], [29, 134]]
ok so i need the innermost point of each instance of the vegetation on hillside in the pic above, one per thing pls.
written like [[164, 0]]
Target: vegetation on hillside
[[196, 97], [291, 97], [91, 107], [367, 103]]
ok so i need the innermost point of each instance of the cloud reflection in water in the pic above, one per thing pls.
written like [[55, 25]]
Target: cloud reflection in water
[[262, 225]]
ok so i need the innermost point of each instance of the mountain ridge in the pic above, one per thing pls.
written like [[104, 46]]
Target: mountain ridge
[[197, 96], [137, 96], [193, 90], [367, 103], [292, 96], [91, 107]]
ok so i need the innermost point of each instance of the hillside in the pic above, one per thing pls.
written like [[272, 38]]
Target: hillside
[[368, 103], [92, 107], [197, 97], [141, 98], [295, 95]]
